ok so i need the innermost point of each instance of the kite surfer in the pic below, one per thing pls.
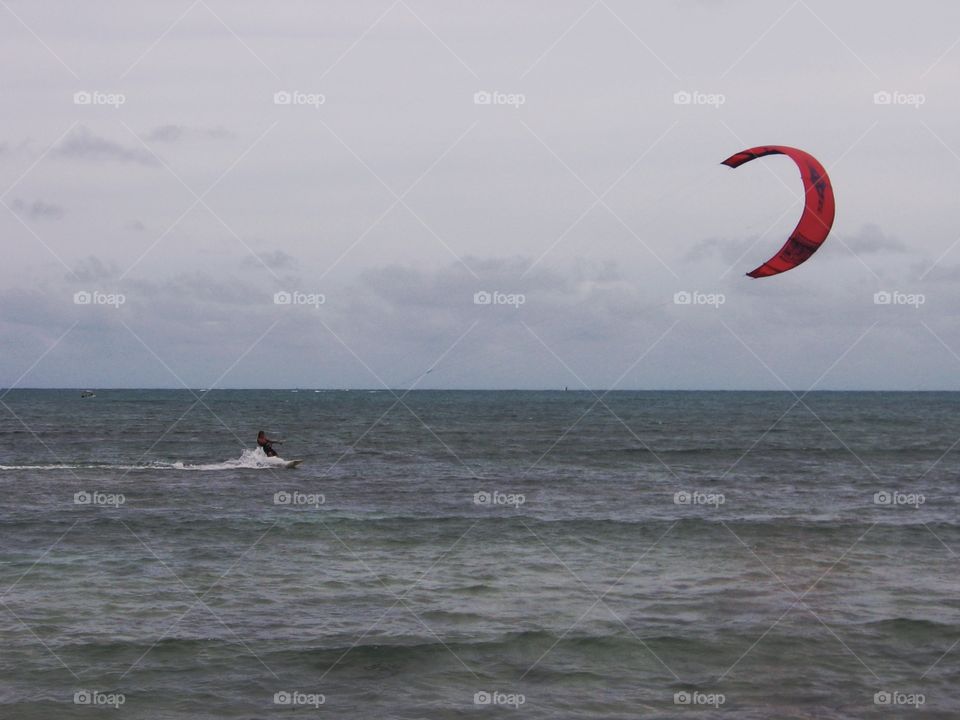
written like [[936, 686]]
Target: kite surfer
[[266, 444]]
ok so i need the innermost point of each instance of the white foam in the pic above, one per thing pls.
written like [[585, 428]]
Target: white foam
[[248, 460]]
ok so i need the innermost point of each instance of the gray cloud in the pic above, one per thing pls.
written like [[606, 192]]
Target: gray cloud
[[39, 210], [165, 133], [276, 260], [175, 133], [10, 149], [197, 291], [586, 322], [871, 239], [84, 145], [93, 269], [729, 250]]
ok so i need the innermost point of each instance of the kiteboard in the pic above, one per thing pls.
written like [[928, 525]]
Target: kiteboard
[[292, 463]]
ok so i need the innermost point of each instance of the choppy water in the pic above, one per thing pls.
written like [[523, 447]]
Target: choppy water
[[623, 556]]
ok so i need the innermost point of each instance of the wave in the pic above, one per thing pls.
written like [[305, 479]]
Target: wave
[[912, 626], [401, 648], [248, 460]]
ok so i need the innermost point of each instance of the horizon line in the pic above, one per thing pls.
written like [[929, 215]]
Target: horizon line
[[90, 388]]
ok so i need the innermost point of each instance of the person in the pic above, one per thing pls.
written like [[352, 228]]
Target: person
[[266, 444]]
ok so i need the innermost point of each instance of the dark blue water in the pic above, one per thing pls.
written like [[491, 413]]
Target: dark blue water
[[443, 554]]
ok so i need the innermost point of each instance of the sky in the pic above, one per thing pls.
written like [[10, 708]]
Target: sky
[[324, 195]]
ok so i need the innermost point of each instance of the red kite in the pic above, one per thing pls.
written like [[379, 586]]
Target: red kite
[[818, 210]]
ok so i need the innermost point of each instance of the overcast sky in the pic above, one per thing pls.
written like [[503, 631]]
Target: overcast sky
[[147, 160]]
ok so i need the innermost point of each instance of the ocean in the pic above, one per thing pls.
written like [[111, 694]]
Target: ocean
[[444, 554]]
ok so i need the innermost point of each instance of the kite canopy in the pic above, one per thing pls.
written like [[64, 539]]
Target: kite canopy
[[818, 210]]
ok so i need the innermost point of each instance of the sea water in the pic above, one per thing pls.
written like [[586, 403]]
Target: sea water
[[450, 554]]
